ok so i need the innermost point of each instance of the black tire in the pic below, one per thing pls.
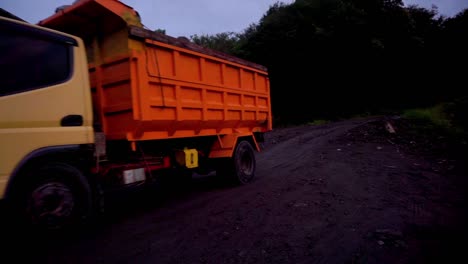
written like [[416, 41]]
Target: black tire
[[54, 199], [240, 169]]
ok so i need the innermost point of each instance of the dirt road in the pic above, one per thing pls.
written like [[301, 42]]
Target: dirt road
[[344, 192]]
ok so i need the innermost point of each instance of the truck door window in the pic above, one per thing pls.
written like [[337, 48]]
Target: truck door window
[[31, 58]]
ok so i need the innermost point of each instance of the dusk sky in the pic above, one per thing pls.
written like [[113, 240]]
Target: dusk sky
[[186, 18]]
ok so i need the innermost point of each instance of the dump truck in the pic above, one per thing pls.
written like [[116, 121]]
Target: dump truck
[[91, 100]]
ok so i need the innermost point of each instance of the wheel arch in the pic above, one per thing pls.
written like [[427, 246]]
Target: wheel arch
[[77, 156], [225, 145]]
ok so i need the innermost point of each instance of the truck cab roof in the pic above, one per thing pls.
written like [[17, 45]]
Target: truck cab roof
[[7, 14]]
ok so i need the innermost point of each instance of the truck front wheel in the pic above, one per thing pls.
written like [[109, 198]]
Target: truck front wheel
[[241, 167], [57, 198]]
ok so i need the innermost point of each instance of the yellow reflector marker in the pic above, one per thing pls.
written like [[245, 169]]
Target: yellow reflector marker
[[187, 158]]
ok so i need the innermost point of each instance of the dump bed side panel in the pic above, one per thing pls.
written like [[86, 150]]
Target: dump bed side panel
[[183, 93], [164, 91]]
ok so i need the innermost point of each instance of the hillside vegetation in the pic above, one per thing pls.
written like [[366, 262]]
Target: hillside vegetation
[[333, 59]]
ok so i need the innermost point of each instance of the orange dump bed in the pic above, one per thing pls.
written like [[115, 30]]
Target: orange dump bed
[[151, 86]]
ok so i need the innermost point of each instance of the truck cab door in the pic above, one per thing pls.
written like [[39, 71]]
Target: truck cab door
[[45, 97]]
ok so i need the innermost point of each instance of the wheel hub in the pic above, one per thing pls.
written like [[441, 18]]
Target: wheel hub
[[246, 164], [51, 204]]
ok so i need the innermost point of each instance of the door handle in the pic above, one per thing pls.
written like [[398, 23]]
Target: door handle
[[72, 120]]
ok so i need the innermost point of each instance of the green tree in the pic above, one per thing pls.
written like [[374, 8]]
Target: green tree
[[160, 31], [336, 58], [341, 57], [227, 42]]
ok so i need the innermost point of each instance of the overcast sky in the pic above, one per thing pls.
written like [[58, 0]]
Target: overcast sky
[[189, 17]]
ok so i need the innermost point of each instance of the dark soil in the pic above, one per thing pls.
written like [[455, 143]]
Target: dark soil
[[344, 192]]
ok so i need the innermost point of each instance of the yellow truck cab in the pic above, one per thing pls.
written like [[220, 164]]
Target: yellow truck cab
[[45, 110], [91, 101]]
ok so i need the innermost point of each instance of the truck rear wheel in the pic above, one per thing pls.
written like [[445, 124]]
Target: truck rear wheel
[[57, 198], [240, 169]]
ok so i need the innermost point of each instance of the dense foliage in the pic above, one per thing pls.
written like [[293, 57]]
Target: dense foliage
[[337, 58]]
